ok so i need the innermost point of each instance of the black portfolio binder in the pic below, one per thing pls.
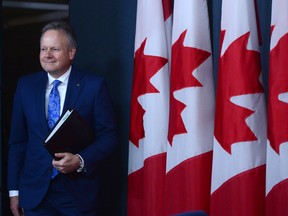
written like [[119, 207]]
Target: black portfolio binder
[[70, 134]]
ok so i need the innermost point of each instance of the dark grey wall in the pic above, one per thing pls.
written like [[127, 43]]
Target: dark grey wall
[[105, 31]]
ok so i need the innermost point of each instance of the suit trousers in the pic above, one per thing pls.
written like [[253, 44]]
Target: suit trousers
[[57, 202]]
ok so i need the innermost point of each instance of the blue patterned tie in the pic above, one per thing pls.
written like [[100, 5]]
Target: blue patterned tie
[[54, 111], [54, 104]]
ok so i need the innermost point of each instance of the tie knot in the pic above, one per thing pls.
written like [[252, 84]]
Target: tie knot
[[56, 83]]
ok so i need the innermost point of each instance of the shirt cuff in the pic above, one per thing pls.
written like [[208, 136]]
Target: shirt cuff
[[13, 193], [81, 165]]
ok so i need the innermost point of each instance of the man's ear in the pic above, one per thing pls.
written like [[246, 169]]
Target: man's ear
[[72, 53]]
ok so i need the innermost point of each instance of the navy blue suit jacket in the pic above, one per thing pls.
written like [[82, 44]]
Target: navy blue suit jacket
[[30, 164]]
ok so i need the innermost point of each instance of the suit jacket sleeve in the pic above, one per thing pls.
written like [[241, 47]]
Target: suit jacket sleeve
[[17, 142], [104, 126]]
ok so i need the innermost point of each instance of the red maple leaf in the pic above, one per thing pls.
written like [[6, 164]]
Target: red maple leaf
[[167, 8], [145, 67], [184, 61], [239, 71], [278, 83]]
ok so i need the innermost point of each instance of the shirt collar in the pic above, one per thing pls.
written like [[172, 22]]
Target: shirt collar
[[64, 78]]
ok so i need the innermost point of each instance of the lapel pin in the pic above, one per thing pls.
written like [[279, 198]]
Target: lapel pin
[[78, 84]]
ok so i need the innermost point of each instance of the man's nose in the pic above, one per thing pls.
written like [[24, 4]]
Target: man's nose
[[48, 53]]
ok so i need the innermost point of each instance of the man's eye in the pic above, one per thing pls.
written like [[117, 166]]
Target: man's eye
[[55, 50], [43, 49]]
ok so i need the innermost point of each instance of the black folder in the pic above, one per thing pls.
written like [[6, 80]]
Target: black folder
[[70, 134]]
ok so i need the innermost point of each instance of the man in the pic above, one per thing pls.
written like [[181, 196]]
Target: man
[[39, 185]]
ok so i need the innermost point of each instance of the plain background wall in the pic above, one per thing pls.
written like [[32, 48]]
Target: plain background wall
[[105, 32]]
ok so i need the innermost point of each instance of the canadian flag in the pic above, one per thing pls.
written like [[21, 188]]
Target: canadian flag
[[149, 110], [277, 148], [191, 119], [239, 152]]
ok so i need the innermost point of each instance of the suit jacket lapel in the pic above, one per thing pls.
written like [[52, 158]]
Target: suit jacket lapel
[[73, 90], [40, 91]]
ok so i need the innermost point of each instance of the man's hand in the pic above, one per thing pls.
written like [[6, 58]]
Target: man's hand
[[68, 162], [14, 206]]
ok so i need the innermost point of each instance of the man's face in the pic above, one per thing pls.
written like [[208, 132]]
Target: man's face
[[55, 55]]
